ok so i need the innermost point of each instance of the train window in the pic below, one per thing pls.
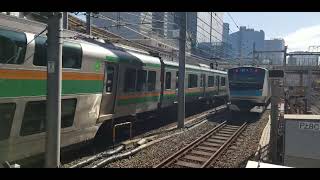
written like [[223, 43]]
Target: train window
[[40, 52], [192, 81], [130, 80], [223, 81], [142, 80], [151, 80], [35, 115], [68, 109], [168, 80], [210, 81], [202, 80], [71, 54], [110, 76], [12, 47], [218, 80], [7, 112]]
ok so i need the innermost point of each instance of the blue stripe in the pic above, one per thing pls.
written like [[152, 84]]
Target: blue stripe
[[246, 93]]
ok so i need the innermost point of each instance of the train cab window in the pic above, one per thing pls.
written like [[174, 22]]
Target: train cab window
[[130, 80], [142, 80], [12, 47], [110, 76], [35, 115], [210, 81], [71, 54], [168, 80], [202, 80], [223, 81], [192, 80], [218, 80], [151, 80], [7, 113]]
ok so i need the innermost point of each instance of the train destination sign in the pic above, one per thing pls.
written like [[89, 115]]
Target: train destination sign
[[276, 74], [309, 126]]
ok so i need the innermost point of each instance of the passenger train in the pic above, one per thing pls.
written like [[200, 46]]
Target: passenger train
[[248, 87], [99, 86]]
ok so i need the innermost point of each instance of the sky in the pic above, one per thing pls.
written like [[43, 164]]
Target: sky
[[299, 29]]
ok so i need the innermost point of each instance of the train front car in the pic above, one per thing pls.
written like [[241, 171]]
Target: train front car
[[248, 87]]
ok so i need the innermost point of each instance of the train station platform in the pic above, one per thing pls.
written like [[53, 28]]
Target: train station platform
[[263, 148], [253, 164]]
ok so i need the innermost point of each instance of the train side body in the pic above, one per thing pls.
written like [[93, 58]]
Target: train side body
[[99, 85]]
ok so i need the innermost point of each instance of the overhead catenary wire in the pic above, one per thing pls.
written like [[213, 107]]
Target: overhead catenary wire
[[163, 21], [144, 35]]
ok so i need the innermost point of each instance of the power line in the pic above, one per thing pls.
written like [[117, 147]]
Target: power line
[[233, 20], [110, 19]]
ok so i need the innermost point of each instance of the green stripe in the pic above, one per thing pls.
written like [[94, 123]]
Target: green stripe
[[139, 100], [166, 97], [152, 65], [17, 88], [131, 61]]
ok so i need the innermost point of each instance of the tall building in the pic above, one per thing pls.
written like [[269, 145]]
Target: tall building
[[204, 23], [274, 45], [225, 33], [243, 41], [161, 26]]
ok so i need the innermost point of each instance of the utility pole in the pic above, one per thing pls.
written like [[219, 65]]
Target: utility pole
[[285, 64], [309, 83], [253, 52], [54, 74], [181, 77], [65, 20], [88, 23], [285, 56]]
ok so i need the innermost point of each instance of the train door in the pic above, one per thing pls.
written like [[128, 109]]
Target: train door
[[109, 88], [203, 84], [177, 86], [218, 84]]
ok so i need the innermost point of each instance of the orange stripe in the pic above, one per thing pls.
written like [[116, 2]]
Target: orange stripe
[[42, 75], [193, 90], [169, 92], [139, 95]]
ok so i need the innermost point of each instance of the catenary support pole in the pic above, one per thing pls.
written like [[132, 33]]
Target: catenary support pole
[[54, 57], [88, 23], [65, 20], [181, 77], [274, 118]]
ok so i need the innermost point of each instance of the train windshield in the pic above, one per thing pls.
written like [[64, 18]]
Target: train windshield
[[246, 78]]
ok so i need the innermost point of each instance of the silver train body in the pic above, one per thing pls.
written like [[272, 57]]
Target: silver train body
[[248, 87], [99, 86]]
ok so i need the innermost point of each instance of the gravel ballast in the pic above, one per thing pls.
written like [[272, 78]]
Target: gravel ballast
[[156, 153], [246, 146]]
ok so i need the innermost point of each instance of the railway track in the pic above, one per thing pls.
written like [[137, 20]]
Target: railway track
[[206, 149], [191, 121]]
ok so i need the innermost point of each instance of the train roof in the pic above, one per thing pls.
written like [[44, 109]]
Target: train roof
[[201, 67], [250, 67]]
